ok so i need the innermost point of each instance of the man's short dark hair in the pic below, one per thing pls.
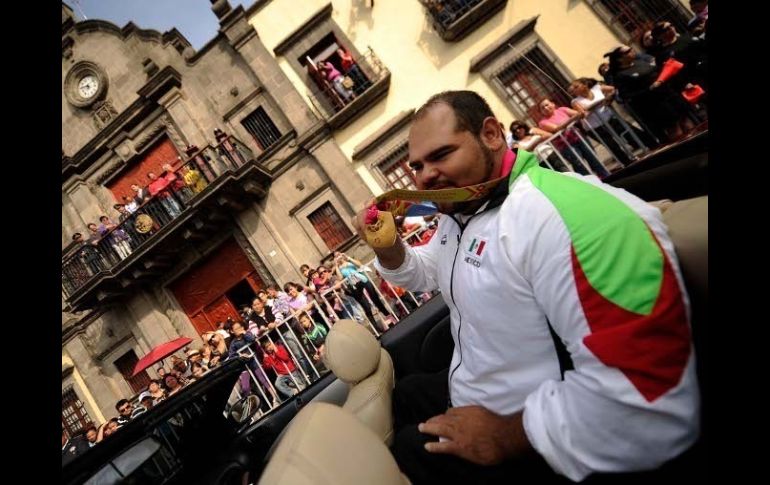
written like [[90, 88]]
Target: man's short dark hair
[[469, 107], [88, 428], [120, 404]]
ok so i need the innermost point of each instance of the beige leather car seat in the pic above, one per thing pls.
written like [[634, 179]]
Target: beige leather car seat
[[356, 358], [325, 444]]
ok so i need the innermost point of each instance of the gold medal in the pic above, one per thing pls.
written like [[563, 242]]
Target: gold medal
[[380, 228]]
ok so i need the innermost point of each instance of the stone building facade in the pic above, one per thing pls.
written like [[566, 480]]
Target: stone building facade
[[278, 192]]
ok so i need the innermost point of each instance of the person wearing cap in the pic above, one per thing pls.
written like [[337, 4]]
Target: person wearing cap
[[194, 356], [146, 400]]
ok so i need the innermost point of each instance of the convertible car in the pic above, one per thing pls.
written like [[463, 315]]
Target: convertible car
[[199, 438]]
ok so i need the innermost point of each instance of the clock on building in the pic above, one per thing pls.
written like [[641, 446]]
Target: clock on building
[[84, 84], [88, 86]]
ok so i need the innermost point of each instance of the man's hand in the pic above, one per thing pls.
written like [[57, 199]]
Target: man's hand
[[359, 222], [390, 258], [477, 435]]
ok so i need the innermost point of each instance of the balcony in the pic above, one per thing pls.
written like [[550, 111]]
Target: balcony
[[143, 243], [455, 19], [340, 105]]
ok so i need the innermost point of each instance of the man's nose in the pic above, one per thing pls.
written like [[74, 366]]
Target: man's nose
[[428, 175]]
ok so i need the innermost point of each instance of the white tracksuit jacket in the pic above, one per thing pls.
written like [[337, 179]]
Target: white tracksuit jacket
[[566, 249]]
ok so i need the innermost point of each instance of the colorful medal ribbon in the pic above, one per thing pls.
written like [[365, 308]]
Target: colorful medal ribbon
[[380, 227]]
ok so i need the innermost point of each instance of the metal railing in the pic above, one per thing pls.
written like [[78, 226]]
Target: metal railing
[[446, 12], [570, 149], [134, 229], [274, 387], [330, 97], [630, 18]]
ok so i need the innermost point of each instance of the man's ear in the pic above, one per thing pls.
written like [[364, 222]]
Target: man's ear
[[492, 135]]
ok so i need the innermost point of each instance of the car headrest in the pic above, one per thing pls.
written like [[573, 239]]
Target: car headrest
[[351, 351], [324, 444], [687, 222]]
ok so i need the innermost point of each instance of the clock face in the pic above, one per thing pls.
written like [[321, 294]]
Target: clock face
[[88, 86]]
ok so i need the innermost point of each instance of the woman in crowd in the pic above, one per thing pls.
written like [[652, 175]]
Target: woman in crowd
[[335, 78], [156, 391], [172, 384], [591, 99], [300, 300], [352, 270], [529, 138], [569, 144]]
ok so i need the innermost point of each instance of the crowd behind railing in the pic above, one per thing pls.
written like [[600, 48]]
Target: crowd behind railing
[[342, 78], [644, 101], [281, 335], [154, 203]]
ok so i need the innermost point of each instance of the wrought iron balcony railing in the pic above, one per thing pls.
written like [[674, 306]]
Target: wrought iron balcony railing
[[113, 243]]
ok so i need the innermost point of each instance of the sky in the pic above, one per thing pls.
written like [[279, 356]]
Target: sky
[[193, 18]]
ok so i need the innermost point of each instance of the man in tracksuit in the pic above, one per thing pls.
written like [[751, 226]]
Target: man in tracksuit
[[543, 256]]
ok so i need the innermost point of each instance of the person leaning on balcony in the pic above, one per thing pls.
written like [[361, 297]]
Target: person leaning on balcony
[[175, 181], [591, 98], [117, 237], [335, 77], [79, 274], [159, 188], [350, 68], [194, 179], [529, 139], [123, 212], [556, 119], [142, 195]]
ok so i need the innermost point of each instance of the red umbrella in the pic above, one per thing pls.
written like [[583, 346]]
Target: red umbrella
[[159, 353]]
